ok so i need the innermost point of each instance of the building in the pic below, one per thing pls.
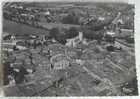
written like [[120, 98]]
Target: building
[[59, 62], [76, 40]]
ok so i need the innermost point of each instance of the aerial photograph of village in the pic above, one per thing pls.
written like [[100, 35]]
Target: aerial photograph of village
[[68, 49]]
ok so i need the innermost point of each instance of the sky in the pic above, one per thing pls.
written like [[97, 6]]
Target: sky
[[130, 1], [91, 0], [126, 1]]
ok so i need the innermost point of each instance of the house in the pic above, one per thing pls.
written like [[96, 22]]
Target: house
[[59, 62], [101, 18], [61, 65], [47, 13], [110, 36], [116, 21], [76, 40], [110, 33]]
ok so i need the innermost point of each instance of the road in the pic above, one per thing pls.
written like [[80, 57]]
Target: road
[[124, 47], [92, 74]]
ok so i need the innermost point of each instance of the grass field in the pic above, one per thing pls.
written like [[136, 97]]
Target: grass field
[[60, 25], [20, 29]]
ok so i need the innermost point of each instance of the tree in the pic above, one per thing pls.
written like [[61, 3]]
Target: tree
[[110, 48], [61, 39], [89, 34], [110, 39], [54, 32], [99, 36], [72, 32], [93, 35], [70, 19], [129, 40]]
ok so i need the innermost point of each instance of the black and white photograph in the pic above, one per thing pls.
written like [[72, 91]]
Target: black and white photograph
[[74, 48]]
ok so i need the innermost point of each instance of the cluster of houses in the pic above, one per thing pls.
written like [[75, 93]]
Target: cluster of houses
[[26, 15], [58, 61], [35, 41]]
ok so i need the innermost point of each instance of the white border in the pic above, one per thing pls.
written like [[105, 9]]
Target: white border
[[137, 48]]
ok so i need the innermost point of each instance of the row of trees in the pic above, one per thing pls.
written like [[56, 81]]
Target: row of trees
[[93, 35], [72, 32], [57, 34], [71, 18]]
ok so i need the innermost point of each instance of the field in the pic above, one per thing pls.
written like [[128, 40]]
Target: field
[[21, 29]]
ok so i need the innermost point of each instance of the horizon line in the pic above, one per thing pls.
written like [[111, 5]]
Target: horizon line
[[96, 1]]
